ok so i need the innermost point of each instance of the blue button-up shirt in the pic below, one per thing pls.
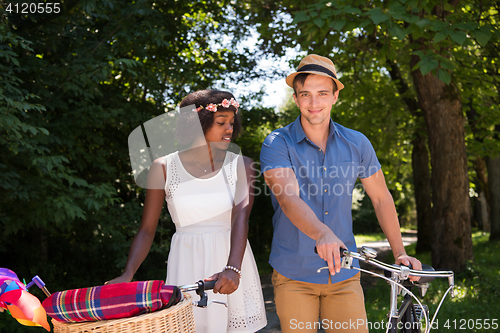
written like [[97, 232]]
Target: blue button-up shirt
[[326, 181]]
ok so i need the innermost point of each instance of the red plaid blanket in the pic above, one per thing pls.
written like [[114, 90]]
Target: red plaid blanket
[[111, 301]]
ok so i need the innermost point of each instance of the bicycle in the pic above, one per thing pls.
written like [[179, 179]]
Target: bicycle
[[407, 318]]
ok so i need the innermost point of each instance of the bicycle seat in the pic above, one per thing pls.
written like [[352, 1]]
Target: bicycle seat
[[425, 267]]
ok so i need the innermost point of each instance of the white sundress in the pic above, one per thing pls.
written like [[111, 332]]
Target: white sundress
[[201, 211]]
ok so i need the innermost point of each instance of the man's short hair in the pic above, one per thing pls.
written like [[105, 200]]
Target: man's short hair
[[301, 78]]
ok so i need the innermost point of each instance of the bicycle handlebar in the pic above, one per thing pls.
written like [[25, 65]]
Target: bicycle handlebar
[[423, 279], [395, 275], [209, 285], [200, 285], [402, 272]]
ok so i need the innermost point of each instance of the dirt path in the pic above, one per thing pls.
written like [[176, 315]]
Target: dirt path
[[367, 281]]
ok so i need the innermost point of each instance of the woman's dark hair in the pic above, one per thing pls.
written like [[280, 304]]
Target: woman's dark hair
[[206, 117]]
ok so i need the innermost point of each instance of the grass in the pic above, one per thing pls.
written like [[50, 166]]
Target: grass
[[476, 303], [360, 239]]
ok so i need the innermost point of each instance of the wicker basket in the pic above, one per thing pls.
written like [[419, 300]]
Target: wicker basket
[[178, 318]]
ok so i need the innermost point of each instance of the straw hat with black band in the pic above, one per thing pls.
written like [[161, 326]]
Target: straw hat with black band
[[315, 64]]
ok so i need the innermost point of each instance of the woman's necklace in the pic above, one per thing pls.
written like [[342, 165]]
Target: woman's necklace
[[211, 164]]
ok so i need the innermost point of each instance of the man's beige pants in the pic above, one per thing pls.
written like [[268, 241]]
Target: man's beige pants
[[303, 306]]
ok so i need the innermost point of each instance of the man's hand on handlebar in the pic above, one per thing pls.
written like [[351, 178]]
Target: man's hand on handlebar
[[227, 282], [328, 248], [404, 259]]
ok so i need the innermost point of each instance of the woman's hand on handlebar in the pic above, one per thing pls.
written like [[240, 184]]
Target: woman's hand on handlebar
[[404, 259], [227, 282]]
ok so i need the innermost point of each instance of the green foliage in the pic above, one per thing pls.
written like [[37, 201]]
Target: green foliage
[[74, 85], [257, 123], [372, 45], [431, 29], [364, 106], [364, 218], [30, 168], [480, 89]]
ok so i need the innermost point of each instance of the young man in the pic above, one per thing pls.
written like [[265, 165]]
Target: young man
[[311, 167]]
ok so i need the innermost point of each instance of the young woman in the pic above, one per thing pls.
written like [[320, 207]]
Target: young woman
[[209, 196]]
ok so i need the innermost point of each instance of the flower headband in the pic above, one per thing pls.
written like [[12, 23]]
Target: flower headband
[[225, 103]]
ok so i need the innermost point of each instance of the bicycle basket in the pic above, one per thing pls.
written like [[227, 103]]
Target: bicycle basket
[[178, 318]]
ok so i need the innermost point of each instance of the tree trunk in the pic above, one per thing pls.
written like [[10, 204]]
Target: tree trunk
[[481, 202], [423, 193], [480, 215], [442, 108], [484, 222], [493, 165], [419, 163]]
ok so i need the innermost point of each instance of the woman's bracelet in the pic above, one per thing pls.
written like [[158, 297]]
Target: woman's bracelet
[[233, 269]]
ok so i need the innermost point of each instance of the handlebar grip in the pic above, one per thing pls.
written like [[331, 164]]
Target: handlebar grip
[[341, 251], [209, 285]]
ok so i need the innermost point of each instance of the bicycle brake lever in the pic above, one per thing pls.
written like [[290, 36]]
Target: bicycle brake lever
[[218, 302], [204, 303], [321, 268]]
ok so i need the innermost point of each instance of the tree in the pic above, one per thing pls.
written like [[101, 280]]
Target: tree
[[421, 39], [76, 84], [480, 80]]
